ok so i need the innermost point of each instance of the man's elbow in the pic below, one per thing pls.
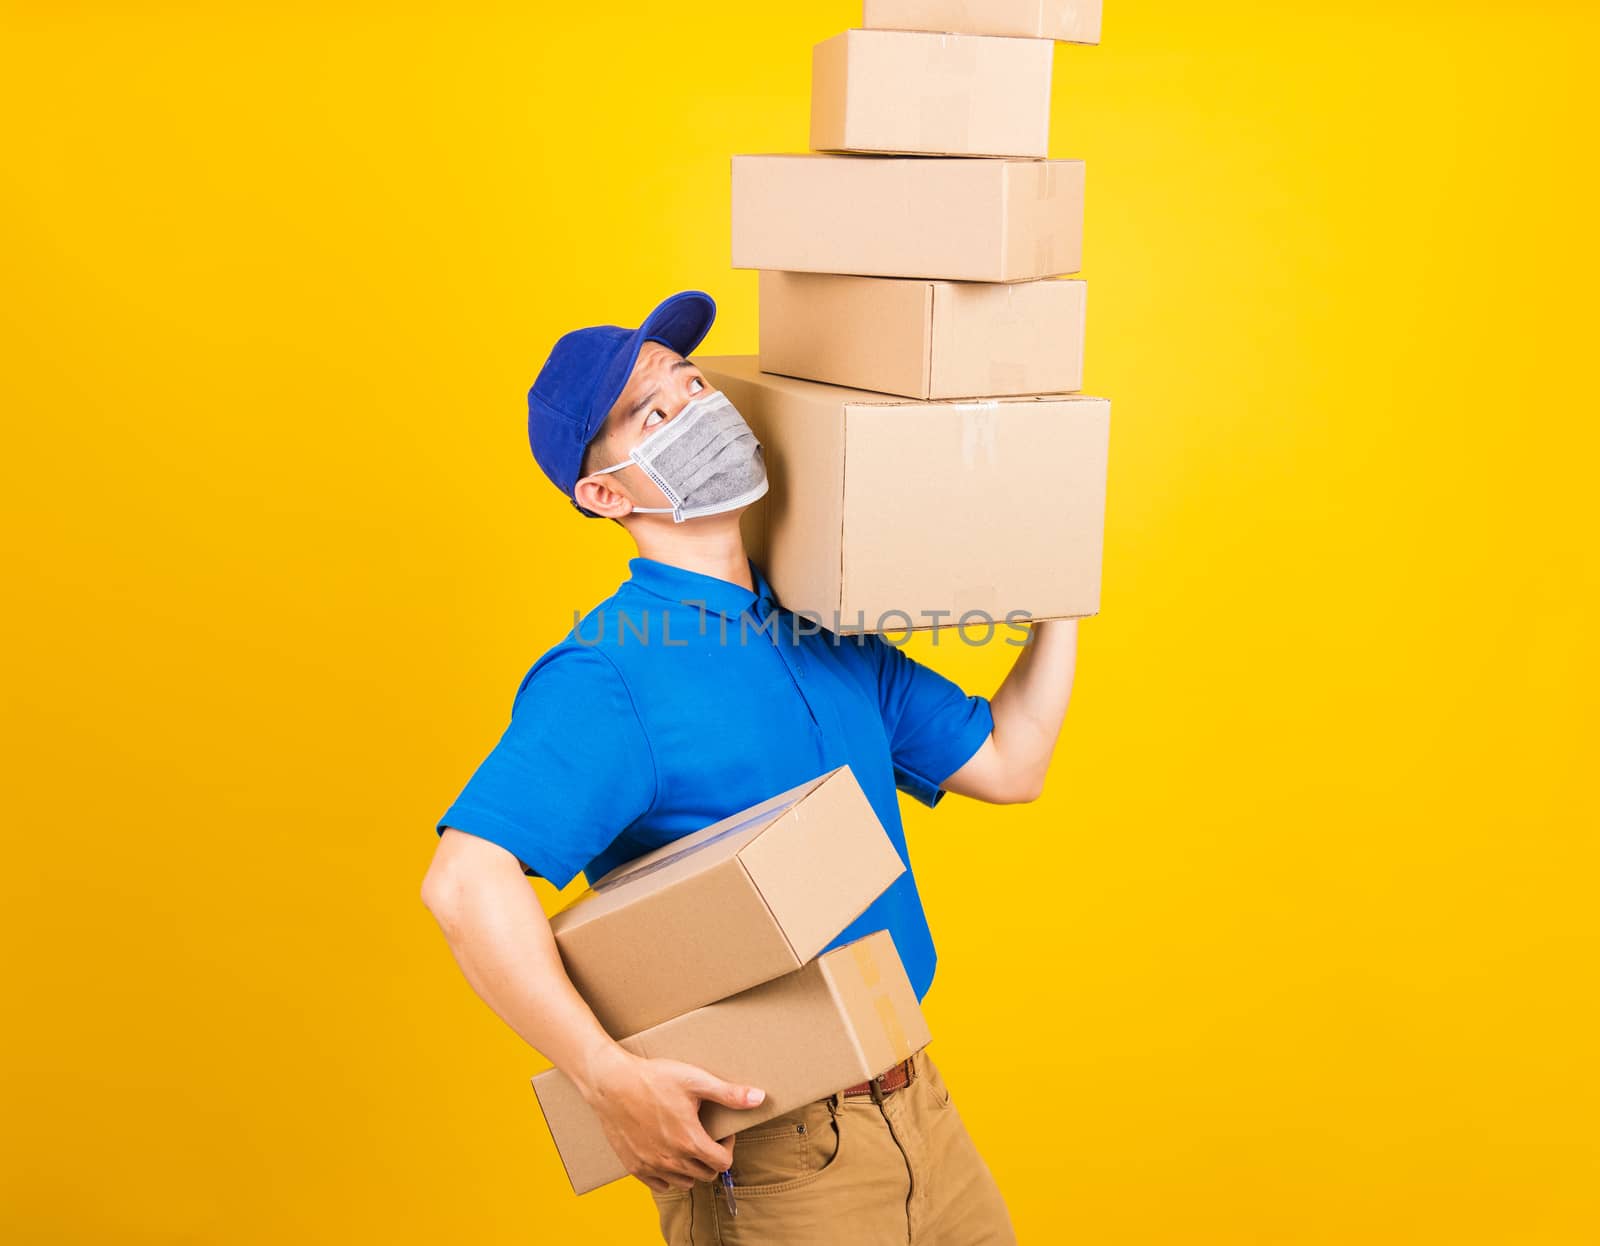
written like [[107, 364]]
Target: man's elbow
[[439, 892], [1023, 790], [1019, 785], [1002, 790], [990, 777], [445, 882], [466, 869]]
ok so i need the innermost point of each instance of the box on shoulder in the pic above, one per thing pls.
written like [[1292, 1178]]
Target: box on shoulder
[[924, 339], [948, 218], [934, 94], [1069, 21], [841, 1018], [887, 514], [744, 900]]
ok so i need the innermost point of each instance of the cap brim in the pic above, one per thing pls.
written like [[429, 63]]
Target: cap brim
[[680, 322]]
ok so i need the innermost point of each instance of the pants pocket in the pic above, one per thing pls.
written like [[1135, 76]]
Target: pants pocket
[[928, 1072], [785, 1153]]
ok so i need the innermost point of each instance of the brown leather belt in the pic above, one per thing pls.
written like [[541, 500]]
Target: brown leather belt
[[897, 1077]]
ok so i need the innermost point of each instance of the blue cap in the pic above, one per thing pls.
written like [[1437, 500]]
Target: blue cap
[[586, 373]]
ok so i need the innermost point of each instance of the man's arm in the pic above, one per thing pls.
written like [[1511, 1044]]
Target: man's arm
[[1028, 709], [502, 940]]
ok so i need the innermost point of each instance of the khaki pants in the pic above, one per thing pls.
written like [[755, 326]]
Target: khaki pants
[[847, 1171]]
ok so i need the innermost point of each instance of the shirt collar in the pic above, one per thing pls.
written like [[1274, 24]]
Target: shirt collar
[[680, 585]]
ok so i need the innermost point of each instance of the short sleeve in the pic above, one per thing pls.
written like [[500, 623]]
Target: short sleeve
[[570, 773], [934, 727]]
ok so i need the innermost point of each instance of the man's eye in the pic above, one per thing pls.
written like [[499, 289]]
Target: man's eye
[[697, 383], [654, 418]]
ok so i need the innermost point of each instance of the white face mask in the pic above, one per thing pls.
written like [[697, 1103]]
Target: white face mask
[[705, 461]]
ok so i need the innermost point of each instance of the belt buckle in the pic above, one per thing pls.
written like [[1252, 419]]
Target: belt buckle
[[875, 1084]]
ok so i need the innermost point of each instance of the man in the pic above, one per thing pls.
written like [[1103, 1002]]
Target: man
[[688, 695]]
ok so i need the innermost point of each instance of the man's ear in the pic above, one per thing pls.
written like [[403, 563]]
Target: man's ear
[[595, 493]]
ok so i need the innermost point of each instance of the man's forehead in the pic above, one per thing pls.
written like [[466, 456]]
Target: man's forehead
[[653, 360], [654, 354]]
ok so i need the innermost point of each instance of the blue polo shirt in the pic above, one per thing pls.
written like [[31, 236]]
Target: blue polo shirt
[[683, 698]]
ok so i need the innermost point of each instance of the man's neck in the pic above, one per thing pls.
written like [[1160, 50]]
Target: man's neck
[[712, 546]]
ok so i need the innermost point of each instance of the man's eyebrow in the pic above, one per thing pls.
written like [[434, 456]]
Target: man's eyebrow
[[656, 393]]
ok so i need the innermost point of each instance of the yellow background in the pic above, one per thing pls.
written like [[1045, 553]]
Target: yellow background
[[1300, 944]]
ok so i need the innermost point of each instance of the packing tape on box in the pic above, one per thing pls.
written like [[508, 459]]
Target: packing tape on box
[[1049, 254], [1046, 245], [1045, 180], [866, 964], [895, 1033], [889, 1019], [755, 819], [977, 432], [956, 54]]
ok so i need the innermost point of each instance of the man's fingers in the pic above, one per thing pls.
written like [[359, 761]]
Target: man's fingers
[[666, 1178], [713, 1154], [698, 1169], [693, 1155], [729, 1094]]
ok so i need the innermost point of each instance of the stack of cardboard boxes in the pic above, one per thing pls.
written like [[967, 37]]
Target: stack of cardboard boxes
[[931, 463], [707, 951], [931, 460]]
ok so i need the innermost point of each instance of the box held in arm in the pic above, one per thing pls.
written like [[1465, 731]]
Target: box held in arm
[[746, 899], [842, 1018]]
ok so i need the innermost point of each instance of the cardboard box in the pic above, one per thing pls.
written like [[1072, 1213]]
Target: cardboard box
[[911, 91], [890, 513], [909, 216], [1072, 21], [924, 339], [842, 1018], [746, 899]]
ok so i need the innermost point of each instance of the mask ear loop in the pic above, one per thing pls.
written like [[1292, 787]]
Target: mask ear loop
[[675, 510]]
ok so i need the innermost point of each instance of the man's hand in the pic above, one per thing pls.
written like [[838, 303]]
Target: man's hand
[[650, 1112]]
